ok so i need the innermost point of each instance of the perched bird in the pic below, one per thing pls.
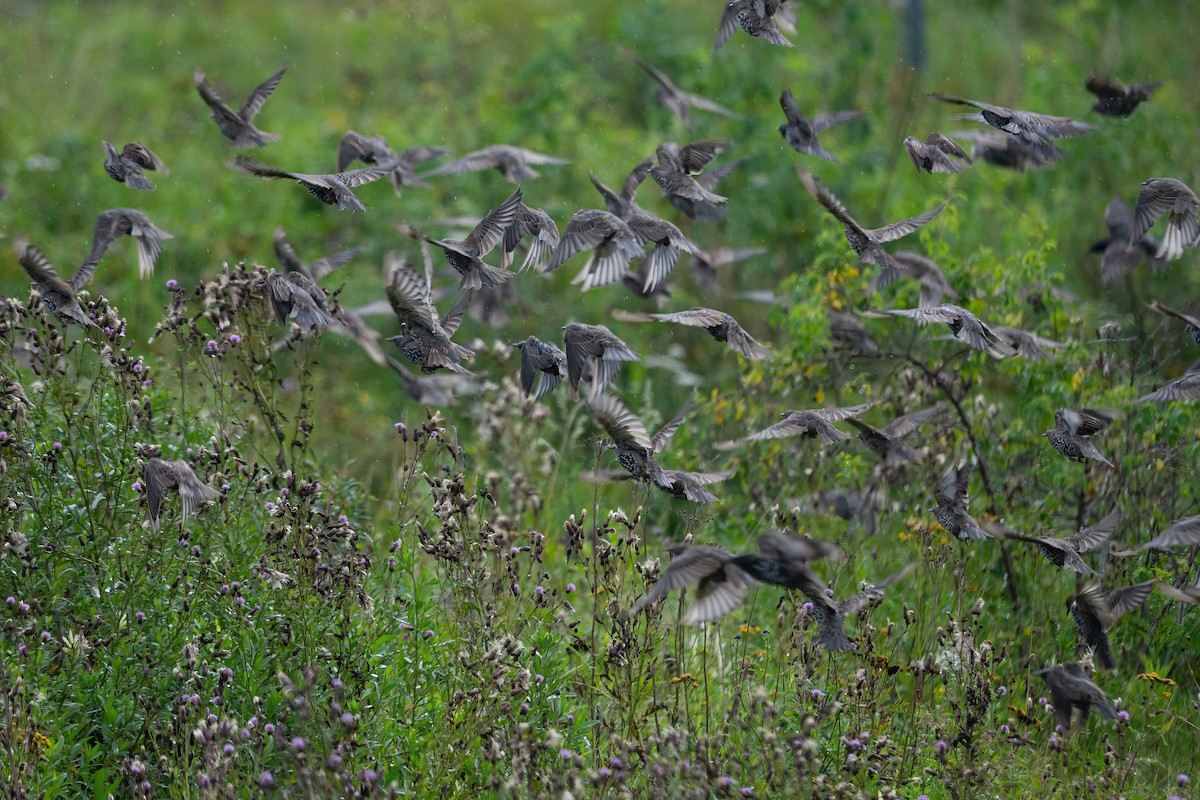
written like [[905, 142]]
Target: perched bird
[[295, 296], [511, 162], [57, 295], [611, 241], [162, 476], [1115, 99], [594, 356], [425, 338], [1191, 323], [1026, 344], [238, 125], [1070, 690], [543, 238], [332, 190], [674, 99], [667, 239], [1160, 196], [755, 17], [375, 150], [801, 134], [290, 261], [936, 154], [126, 166], [1184, 388], [847, 329], [1095, 613], [1064, 551], [885, 442], [812, 423], [1071, 429], [965, 326], [867, 244], [951, 498], [719, 325], [1018, 122], [542, 362], [1181, 533], [924, 271], [677, 167], [1119, 257], [1029, 149], [466, 255], [721, 584], [118, 222]]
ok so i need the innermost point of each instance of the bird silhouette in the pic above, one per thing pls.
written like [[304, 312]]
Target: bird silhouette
[[238, 126]]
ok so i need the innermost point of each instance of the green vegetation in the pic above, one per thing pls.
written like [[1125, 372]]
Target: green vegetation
[[392, 600]]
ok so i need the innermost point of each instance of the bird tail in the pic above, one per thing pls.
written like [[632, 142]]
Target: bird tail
[[832, 633], [1104, 654]]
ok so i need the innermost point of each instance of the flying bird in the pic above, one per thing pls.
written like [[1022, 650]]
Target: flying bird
[[674, 99], [332, 190], [425, 338], [812, 423], [375, 150], [1191, 323], [238, 125], [801, 134], [1026, 344], [611, 241], [58, 296], [721, 584], [466, 255], [1162, 196], [290, 260], [1072, 690], [925, 272], [1184, 388], [1119, 256], [1115, 99], [706, 262], [951, 499], [1029, 149], [867, 244], [1181, 533], [1095, 613], [543, 363], [162, 476], [126, 166], [296, 297], [543, 238], [755, 17], [1065, 552], [594, 356], [965, 326], [704, 210], [886, 441], [677, 167], [511, 162], [719, 325], [848, 330], [1018, 122], [936, 154], [117, 222], [1071, 430]]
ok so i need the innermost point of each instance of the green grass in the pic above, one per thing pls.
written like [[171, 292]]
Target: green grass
[[409, 650]]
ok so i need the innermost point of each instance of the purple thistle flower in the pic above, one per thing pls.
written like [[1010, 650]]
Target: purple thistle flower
[[210, 347], [269, 727], [565, 753], [228, 749], [1123, 716], [334, 762], [1182, 779], [266, 780], [234, 338], [604, 772], [538, 590], [57, 445], [807, 606], [298, 743], [46, 636], [940, 747], [172, 285]]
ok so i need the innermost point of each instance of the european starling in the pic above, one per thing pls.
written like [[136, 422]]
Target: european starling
[[703, 210], [1026, 344], [1160, 196], [812, 423], [755, 17], [936, 154], [924, 271], [719, 325], [1187, 594], [1071, 689], [801, 134], [543, 238], [951, 498], [613, 244], [1030, 149], [237, 125], [594, 356], [1191, 323], [1036, 293], [57, 295], [126, 166], [1182, 389], [635, 449], [1119, 257], [965, 326], [318, 269], [118, 222], [1095, 612], [867, 244], [163, 476], [543, 362], [1182, 533], [1115, 99], [1071, 429], [722, 584], [332, 190], [1064, 552], [295, 296], [425, 338], [466, 256], [511, 162], [706, 262], [677, 101], [677, 166], [886, 443], [375, 150], [847, 329], [667, 239], [690, 485], [1018, 122]]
